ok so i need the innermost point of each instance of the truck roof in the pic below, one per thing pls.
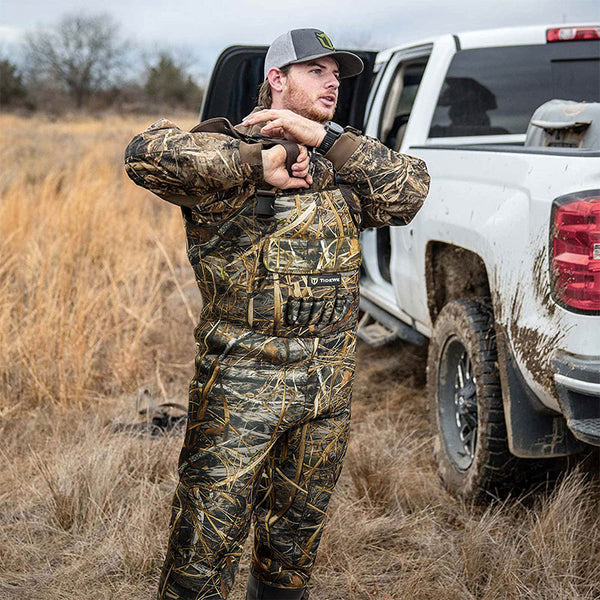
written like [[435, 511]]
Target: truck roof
[[483, 38]]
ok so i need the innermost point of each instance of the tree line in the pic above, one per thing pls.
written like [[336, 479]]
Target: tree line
[[82, 62]]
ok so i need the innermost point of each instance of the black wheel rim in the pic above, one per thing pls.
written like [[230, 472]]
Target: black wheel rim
[[457, 402]]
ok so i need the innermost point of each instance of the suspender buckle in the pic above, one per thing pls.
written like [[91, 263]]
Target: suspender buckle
[[264, 207]]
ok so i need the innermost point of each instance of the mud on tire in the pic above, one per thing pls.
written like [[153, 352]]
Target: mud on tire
[[465, 403]]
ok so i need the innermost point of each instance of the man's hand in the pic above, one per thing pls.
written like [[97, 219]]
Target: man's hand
[[275, 172], [289, 125]]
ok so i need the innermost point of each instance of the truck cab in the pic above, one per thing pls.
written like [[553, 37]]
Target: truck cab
[[499, 272]]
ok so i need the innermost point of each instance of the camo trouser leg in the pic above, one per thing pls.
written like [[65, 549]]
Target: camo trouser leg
[[258, 432], [301, 473], [299, 479]]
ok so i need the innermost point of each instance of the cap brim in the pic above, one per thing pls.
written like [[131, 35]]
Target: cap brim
[[348, 63]]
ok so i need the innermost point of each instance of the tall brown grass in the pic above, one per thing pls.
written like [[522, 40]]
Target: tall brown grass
[[83, 263], [96, 300]]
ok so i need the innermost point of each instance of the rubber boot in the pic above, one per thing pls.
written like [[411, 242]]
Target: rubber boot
[[258, 590]]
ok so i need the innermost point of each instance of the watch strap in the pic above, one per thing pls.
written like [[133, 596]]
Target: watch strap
[[332, 132]]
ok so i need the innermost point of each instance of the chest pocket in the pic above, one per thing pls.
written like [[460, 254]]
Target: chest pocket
[[314, 284], [313, 257], [331, 255]]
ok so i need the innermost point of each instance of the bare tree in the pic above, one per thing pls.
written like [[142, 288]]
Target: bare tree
[[81, 53]]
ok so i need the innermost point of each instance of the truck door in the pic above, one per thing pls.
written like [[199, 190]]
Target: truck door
[[387, 250], [233, 88]]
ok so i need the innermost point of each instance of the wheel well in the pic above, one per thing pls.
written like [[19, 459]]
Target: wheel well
[[451, 273]]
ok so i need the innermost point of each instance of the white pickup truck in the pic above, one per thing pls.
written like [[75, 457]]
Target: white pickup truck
[[500, 270]]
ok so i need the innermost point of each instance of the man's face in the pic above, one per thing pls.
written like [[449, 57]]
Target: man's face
[[311, 89]]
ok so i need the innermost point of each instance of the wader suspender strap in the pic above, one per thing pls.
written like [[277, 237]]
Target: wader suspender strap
[[264, 198], [353, 206], [222, 125]]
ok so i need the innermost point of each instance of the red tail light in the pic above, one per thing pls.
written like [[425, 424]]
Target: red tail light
[[568, 34], [576, 250]]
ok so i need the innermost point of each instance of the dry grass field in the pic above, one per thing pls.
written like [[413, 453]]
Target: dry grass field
[[97, 301]]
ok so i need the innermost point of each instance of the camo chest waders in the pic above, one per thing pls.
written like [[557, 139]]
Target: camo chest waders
[[269, 405]]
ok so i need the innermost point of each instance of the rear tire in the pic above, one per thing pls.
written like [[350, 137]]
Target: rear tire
[[465, 403]]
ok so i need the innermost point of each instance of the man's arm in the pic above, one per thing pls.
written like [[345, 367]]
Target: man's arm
[[192, 169], [391, 186]]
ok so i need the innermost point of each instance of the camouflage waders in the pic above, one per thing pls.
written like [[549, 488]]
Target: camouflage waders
[[270, 401], [269, 406]]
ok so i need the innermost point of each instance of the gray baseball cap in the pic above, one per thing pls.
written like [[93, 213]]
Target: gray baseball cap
[[301, 45]]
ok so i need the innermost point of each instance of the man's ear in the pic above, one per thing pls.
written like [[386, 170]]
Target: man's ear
[[276, 79]]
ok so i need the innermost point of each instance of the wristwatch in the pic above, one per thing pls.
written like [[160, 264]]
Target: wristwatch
[[332, 133]]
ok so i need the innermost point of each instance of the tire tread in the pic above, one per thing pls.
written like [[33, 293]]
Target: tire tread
[[492, 472]]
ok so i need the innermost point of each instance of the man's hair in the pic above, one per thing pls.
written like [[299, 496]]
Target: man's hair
[[265, 96]]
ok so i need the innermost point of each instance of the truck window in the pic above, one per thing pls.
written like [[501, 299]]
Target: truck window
[[491, 91], [399, 102]]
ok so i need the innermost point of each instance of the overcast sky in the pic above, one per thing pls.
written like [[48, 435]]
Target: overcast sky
[[200, 29]]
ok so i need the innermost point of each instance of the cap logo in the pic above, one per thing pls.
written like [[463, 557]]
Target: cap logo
[[325, 41]]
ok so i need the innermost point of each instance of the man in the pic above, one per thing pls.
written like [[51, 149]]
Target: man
[[269, 404]]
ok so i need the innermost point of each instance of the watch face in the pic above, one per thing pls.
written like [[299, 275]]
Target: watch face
[[334, 127]]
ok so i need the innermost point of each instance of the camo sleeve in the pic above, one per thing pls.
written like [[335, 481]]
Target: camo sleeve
[[391, 186], [191, 169]]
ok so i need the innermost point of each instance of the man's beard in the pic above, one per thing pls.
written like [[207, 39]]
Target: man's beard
[[296, 100]]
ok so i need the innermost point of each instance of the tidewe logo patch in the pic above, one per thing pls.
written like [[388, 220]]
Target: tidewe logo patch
[[329, 279], [325, 41]]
